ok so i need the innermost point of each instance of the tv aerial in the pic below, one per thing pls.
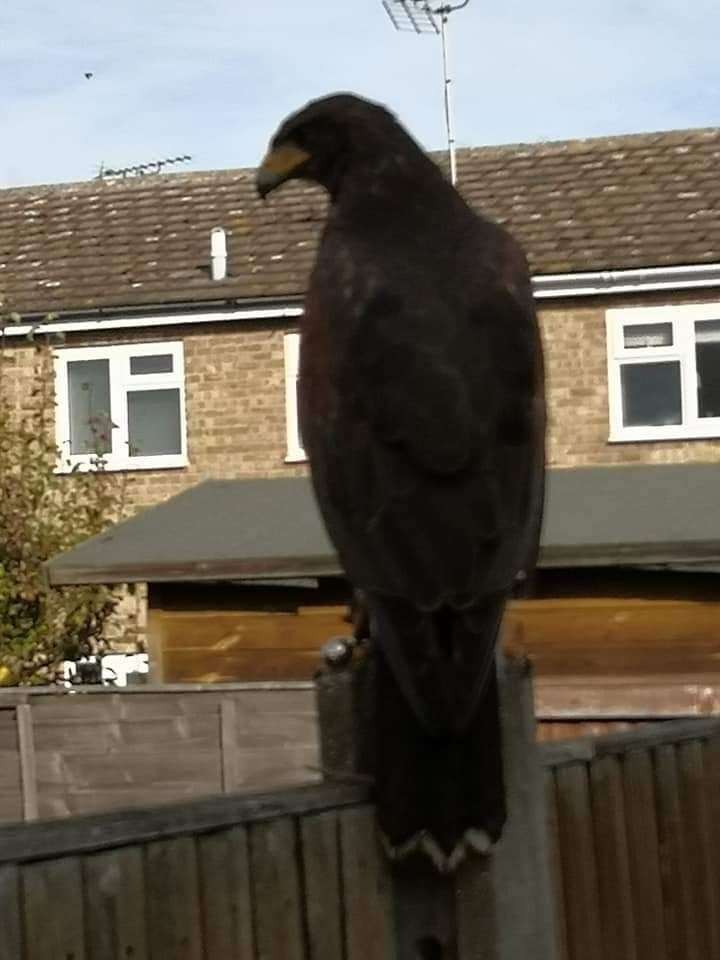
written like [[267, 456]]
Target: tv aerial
[[419, 16], [140, 169]]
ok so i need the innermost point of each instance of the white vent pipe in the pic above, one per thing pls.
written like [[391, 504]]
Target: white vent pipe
[[218, 253]]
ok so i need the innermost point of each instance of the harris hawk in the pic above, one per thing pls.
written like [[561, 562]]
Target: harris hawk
[[422, 414]]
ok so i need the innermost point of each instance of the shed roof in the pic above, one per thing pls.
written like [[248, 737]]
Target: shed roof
[[643, 200], [270, 528]]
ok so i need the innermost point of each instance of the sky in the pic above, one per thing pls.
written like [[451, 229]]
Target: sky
[[213, 79]]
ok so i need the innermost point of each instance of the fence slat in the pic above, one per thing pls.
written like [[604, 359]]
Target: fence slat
[[695, 814], [644, 854], [171, 882], [276, 891], [711, 763], [674, 865], [53, 910], [225, 895], [115, 905], [578, 861], [367, 889], [10, 932], [554, 854], [323, 899], [28, 762], [611, 853], [229, 750]]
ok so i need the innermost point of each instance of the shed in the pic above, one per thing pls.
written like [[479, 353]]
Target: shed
[[244, 583]]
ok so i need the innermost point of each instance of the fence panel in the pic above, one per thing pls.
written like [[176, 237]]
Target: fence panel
[[635, 839], [64, 752], [299, 874]]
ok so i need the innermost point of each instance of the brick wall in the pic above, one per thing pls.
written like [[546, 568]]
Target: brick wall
[[235, 405], [21, 366], [235, 399], [577, 391]]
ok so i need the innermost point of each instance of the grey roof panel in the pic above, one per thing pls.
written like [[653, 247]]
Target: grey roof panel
[[650, 513], [270, 528], [220, 529]]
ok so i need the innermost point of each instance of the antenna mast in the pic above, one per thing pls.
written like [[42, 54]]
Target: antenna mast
[[420, 16]]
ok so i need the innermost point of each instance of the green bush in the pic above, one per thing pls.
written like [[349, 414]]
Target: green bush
[[43, 512]]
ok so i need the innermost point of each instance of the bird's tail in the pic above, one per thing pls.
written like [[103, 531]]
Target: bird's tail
[[438, 758]]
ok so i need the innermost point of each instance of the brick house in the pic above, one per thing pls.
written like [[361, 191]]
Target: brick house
[[188, 333]]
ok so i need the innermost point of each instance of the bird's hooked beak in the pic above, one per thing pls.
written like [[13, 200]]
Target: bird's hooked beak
[[280, 164]]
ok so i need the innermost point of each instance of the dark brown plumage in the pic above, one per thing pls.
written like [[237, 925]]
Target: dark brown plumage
[[422, 415]]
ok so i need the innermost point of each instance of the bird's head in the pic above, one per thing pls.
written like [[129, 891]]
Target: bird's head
[[319, 142]]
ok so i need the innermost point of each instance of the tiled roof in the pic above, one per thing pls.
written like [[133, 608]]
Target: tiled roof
[[606, 203]]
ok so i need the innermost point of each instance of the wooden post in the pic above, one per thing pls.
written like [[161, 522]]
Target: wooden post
[[229, 752], [28, 769], [493, 908]]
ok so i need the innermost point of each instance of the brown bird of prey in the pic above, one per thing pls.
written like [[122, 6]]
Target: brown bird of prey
[[422, 414]]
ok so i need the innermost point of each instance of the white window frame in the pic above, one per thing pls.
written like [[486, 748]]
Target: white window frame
[[682, 318], [122, 382], [295, 452]]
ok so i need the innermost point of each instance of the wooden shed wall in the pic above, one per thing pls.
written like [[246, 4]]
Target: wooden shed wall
[[211, 646], [572, 636], [624, 636]]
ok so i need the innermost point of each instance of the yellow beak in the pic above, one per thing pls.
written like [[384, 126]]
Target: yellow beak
[[278, 166]]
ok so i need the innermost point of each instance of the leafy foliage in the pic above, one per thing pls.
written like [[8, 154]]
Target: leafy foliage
[[43, 512]]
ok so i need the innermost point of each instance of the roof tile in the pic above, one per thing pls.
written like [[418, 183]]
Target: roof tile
[[604, 203]]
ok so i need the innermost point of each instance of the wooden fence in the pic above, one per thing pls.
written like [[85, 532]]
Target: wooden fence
[[279, 877], [634, 824], [73, 752], [635, 850], [94, 748]]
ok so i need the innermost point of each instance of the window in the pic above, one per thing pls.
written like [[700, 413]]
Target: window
[[295, 450], [664, 372], [124, 403]]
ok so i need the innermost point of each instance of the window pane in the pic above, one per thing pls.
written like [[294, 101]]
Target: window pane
[[707, 360], [158, 363], [651, 394], [153, 422], [707, 331], [89, 402], [647, 335]]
